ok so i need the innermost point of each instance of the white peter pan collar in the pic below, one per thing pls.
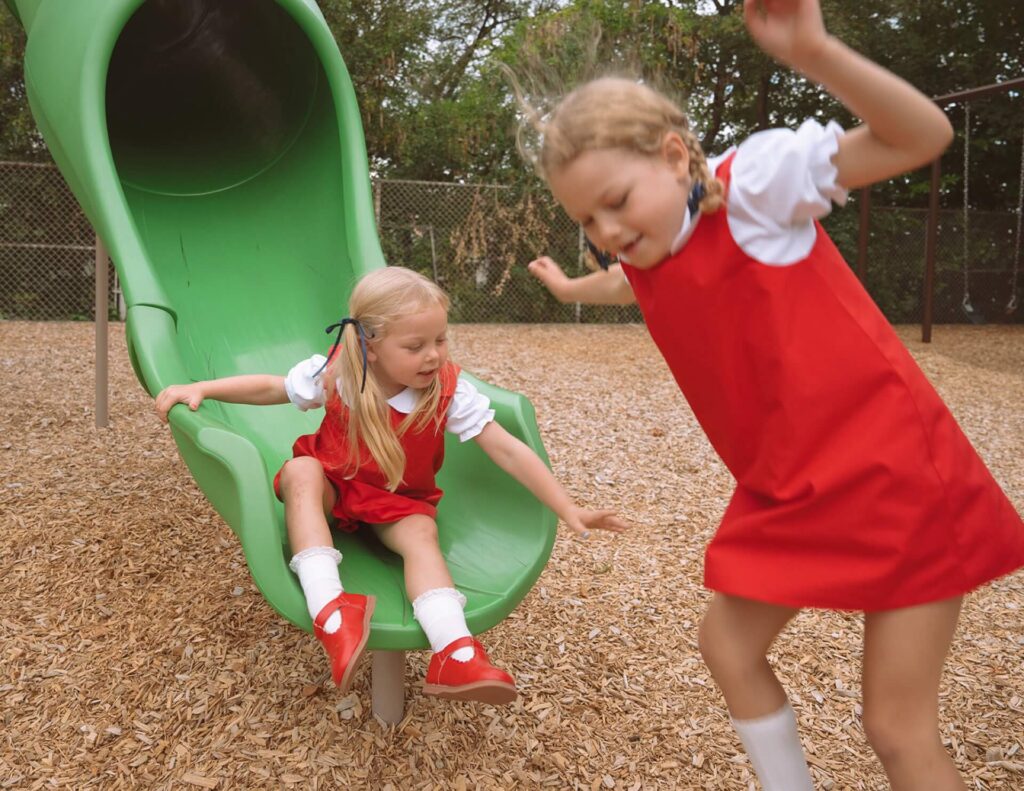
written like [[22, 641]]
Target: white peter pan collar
[[689, 223], [404, 402]]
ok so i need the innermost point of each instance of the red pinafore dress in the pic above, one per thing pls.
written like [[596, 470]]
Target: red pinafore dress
[[364, 498], [855, 487]]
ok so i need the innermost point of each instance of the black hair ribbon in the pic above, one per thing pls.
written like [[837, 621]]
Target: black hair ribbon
[[340, 327], [696, 196], [604, 260]]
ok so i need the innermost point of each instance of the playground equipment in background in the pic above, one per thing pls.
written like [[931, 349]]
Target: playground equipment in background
[[972, 313], [1014, 303], [931, 234], [217, 148]]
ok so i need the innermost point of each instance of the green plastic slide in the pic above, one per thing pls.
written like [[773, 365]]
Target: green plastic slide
[[217, 148]]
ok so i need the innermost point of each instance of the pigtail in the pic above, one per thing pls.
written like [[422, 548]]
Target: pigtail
[[714, 189], [369, 414]]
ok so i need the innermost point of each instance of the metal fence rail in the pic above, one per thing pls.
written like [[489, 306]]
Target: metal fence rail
[[475, 240]]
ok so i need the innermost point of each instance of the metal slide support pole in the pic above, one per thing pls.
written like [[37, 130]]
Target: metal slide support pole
[[388, 686], [102, 308]]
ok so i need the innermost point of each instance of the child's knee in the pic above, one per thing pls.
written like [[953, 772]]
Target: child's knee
[[722, 651], [411, 536], [299, 471], [419, 530], [893, 732]]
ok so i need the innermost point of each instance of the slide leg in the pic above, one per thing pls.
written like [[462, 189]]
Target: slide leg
[[388, 686]]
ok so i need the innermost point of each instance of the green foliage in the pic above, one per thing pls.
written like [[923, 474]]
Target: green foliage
[[436, 107], [19, 138]]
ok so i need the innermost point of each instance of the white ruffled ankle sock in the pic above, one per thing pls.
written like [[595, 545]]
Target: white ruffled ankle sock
[[317, 569], [773, 746], [439, 612]]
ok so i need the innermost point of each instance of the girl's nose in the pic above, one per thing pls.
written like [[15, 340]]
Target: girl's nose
[[608, 232]]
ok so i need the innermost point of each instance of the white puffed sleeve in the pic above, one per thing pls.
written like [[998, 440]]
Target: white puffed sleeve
[[304, 387], [469, 411], [781, 181]]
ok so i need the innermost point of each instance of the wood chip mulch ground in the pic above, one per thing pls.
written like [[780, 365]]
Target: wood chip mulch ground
[[135, 652]]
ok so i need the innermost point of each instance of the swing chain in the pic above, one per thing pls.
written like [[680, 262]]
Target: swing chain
[[1011, 306]]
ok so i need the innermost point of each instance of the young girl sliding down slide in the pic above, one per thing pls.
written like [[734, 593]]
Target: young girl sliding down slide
[[390, 393], [856, 489]]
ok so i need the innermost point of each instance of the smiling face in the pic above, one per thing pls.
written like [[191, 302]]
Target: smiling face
[[629, 203], [411, 352]]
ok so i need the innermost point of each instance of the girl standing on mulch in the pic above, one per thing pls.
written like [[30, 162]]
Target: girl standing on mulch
[[390, 392], [856, 489]]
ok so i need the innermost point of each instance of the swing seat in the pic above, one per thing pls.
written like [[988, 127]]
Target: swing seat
[[217, 149], [973, 314]]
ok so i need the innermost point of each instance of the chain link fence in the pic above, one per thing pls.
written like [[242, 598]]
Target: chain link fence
[[984, 263], [47, 248], [475, 241]]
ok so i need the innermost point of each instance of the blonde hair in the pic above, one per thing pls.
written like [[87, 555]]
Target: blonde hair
[[613, 112], [379, 299]]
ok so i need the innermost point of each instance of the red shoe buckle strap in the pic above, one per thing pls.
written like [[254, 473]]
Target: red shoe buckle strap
[[463, 642], [333, 606]]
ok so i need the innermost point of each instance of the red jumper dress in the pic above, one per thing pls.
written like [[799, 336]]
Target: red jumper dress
[[856, 489], [365, 498]]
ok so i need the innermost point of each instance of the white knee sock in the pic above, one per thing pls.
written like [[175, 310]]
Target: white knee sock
[[439, 612], [317, 568], [773, 745]]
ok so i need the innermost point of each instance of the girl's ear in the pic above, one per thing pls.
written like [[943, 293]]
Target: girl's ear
[[676, 154], [371, 354]]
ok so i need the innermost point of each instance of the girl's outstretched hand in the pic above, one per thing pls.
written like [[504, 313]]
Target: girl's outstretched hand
[[550, 274], [791, 31], [190, 394], [583, 520]]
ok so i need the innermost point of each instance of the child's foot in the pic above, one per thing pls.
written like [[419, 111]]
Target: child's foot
[[345, 646], [475, 679]]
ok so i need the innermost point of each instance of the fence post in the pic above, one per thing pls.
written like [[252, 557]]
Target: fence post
[[582, 246], [862, 235], [102, 311], [931, 237], [433, 253]]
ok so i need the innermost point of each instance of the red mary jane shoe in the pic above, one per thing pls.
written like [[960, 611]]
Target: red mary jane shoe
[[476, 679], [345, 646]]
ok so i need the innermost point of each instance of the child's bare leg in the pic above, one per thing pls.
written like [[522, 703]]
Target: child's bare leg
[[735, 636], [415, 539], [436, 604], [904, 652], [308, 498]]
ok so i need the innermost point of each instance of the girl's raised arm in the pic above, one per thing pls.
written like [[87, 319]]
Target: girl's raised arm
[[257, 389], [902, 128]]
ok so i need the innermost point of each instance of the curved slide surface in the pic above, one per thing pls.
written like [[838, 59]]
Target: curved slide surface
[[217, 148]]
